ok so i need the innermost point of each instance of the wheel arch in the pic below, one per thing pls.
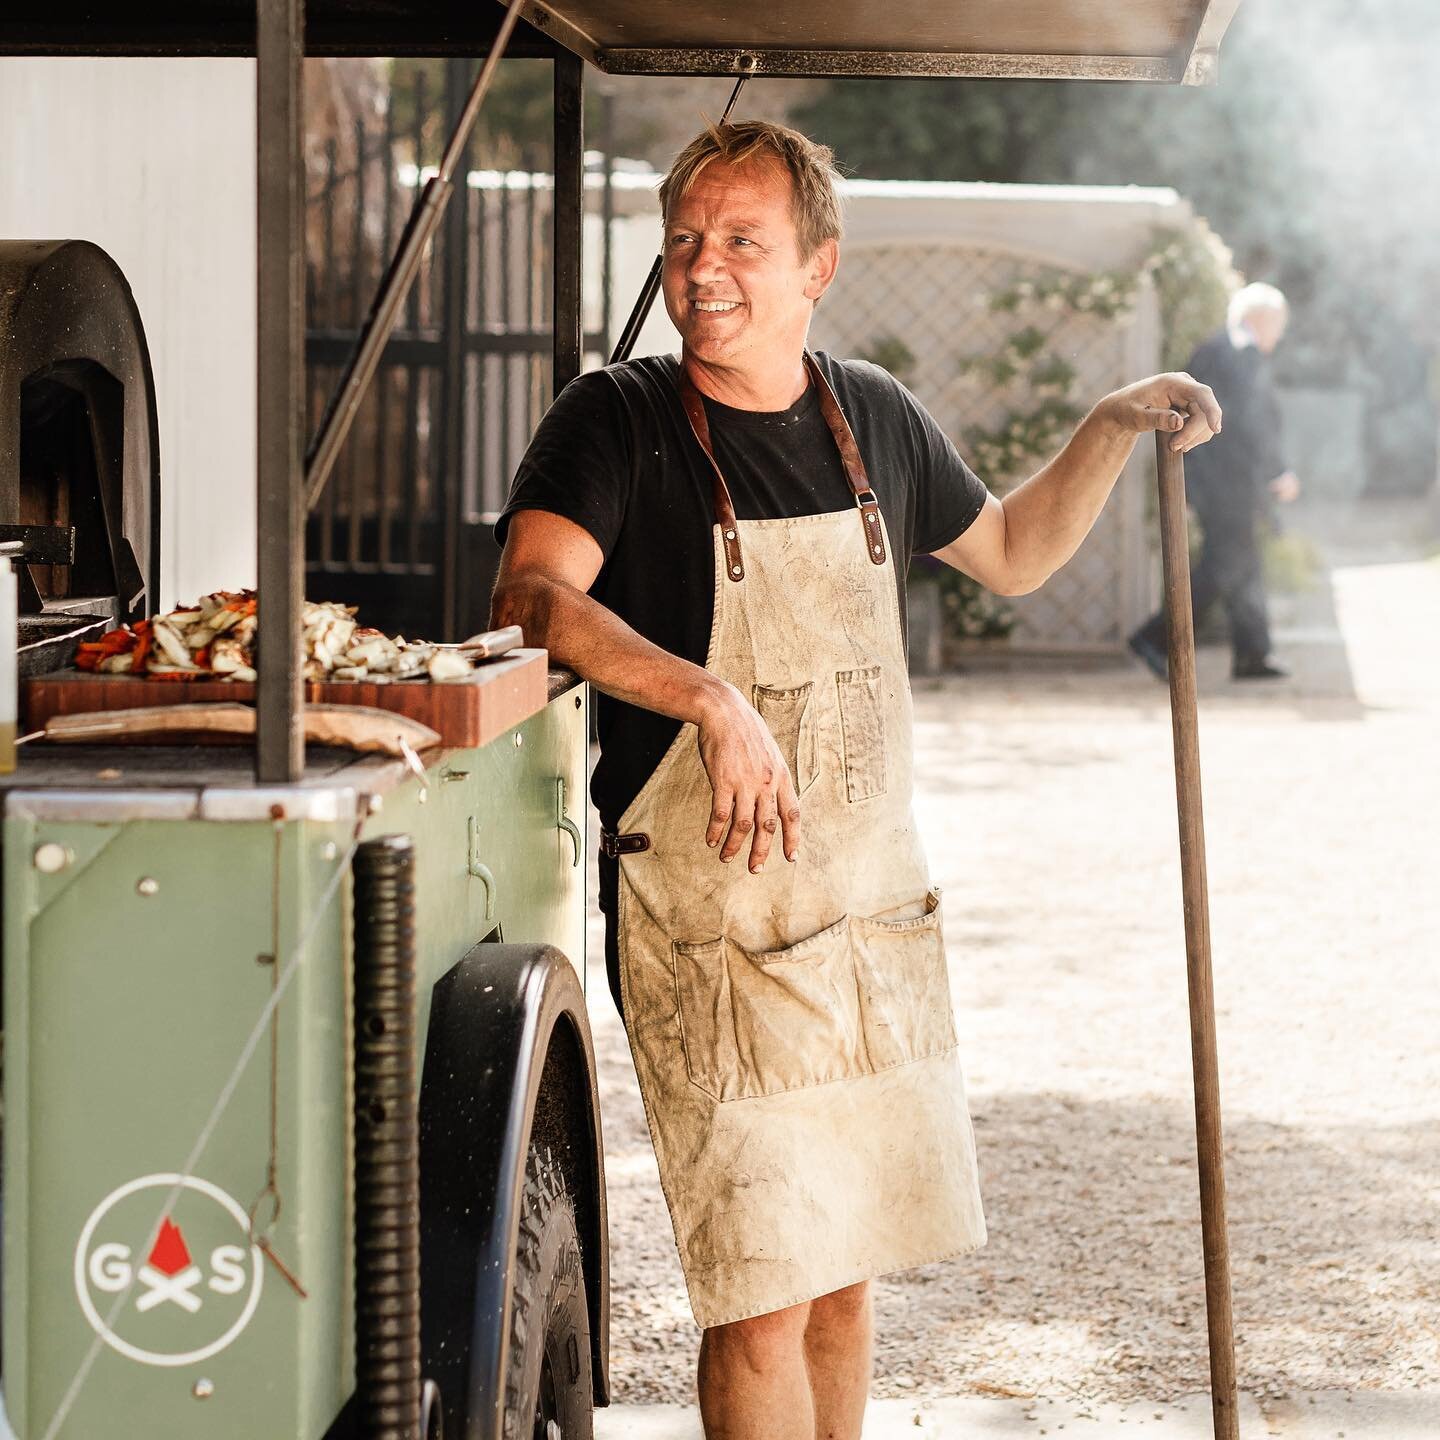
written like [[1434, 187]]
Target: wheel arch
[[508, 1058]]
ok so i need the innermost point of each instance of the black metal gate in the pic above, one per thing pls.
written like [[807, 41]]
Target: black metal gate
[[404, 529]]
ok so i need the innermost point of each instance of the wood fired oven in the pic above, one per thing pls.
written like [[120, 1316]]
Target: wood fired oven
[[79, 451]]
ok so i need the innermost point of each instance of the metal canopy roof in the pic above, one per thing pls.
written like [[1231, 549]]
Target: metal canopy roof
[[1154, 40]]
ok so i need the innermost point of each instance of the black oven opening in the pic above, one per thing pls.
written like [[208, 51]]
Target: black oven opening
[[72, 419]]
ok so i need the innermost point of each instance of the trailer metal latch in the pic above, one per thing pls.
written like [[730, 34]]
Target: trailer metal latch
[[480, 870], [565, 823]]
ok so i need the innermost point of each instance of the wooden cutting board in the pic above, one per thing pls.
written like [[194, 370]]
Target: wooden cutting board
[[496, 697]]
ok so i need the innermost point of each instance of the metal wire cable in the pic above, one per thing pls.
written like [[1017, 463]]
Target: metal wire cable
[[207, 1131]]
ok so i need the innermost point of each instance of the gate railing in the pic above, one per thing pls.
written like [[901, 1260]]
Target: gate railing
[[474, 339]]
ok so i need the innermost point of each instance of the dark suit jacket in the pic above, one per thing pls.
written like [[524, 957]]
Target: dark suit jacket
[[1231, 472]]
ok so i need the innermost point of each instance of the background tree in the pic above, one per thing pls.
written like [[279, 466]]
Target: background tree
[[1313, 157]]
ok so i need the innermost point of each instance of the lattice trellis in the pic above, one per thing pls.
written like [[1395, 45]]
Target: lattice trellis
[[935, 298]]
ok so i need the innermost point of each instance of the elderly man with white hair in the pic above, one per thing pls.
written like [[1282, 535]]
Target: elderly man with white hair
[[1228, 480]]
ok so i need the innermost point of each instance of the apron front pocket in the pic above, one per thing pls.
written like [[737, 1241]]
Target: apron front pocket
[[862, 731], [789, 717], [758, 1023], [904, 987]]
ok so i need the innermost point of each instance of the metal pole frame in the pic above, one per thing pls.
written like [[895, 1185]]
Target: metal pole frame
[[568, 216], [1209, 1139], [280, 388], [450, 471]]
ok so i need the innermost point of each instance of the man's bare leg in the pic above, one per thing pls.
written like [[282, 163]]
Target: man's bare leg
[[754, 1381], [838, 1350]]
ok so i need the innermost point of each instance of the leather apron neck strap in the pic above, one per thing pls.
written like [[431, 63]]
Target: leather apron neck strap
[[865, 500]]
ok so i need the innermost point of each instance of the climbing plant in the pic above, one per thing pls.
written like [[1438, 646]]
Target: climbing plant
[[1191, 273]]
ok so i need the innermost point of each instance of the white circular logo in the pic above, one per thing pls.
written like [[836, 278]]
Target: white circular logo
[[195, 1290]]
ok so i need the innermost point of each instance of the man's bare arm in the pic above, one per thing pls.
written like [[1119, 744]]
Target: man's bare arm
[[548, 565], [1016, 544]]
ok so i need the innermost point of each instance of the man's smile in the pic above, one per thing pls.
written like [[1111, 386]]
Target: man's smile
[[715, 307]]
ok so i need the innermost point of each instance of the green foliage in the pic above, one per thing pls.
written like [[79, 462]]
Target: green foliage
[[1193, 280], [1305, 155], [1106, 295], [891, 353], [970, 612], [514, 128], [1192, 276], [1292, 564], [1023, 438], [940, 129]]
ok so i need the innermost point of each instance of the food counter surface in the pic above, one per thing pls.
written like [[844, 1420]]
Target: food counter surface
[[207, 782]]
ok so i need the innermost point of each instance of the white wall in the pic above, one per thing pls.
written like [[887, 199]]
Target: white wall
[[154, 160]]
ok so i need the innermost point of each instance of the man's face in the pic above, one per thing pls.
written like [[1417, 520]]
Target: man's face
[[1267, 326], [734, 282]]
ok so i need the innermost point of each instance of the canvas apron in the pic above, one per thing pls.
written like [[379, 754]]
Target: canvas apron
[[792, 1030]]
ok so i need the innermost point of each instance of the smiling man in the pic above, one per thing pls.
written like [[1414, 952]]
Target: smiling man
[[718, 543]]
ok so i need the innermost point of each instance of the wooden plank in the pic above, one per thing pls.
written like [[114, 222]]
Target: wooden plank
[[473, 711]]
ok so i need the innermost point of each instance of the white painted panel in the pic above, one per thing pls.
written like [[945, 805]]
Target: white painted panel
[[154, 161]]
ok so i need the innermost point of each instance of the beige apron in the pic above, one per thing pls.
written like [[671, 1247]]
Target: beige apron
[[792, 1030]]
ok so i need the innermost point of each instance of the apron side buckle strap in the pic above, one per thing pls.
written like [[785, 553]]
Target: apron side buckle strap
[[612, 845], [869, 508], [730, 539]]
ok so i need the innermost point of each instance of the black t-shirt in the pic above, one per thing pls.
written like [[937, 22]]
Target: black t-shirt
[[615, 454]]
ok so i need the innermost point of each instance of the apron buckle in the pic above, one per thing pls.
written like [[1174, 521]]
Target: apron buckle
[[612, 845], [869, 508]]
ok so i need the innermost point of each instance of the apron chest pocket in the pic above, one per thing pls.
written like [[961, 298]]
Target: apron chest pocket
[[790, 718], [860, 996], [862, 732]]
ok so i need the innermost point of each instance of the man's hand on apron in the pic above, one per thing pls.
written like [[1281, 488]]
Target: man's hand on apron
[[754, 792], [1167, 402]]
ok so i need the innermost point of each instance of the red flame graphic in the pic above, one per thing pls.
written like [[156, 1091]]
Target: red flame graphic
[[170, 1255]]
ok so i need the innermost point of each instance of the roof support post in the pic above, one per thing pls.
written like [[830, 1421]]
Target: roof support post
[[568, 214], [280, 388], [454, 268]]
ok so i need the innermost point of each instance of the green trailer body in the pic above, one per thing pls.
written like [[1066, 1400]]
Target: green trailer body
[[144, 927]]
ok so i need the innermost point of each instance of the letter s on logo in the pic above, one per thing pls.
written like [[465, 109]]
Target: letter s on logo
[[228, 1264], [110, 1268]]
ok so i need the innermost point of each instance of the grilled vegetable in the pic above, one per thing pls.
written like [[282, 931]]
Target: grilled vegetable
[[215, 639]]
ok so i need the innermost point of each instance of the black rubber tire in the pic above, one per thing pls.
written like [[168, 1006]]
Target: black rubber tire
[[548, 1379]]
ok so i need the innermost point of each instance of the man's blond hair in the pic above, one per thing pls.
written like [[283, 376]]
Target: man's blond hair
[[814, 201]]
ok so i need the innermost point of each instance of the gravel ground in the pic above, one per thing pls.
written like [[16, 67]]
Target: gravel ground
[[1047, 799]]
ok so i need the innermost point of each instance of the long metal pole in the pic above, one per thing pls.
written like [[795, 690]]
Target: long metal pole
[[567, 216], [423, 221], [1208, 1134], [452, 378], [646, 299], [280, 393]]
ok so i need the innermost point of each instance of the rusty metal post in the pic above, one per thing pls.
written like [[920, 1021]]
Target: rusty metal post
[[1208, 1136], [567, 218], [280, 526]]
